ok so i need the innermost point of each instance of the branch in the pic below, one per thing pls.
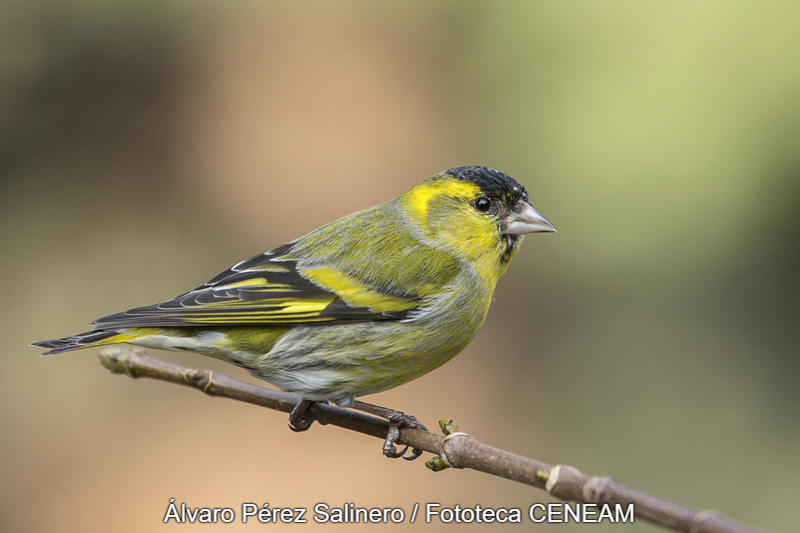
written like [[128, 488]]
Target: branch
[[457, 450]]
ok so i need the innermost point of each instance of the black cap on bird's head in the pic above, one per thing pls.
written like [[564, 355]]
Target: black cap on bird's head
[[517, 215], [491, 181]]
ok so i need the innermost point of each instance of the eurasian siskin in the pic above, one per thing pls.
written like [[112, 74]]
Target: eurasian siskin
[[358, 306]]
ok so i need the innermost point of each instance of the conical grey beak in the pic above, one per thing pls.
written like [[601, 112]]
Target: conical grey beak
[[525, 219]]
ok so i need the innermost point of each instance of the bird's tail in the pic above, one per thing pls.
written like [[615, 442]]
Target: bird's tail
[[85, 340]]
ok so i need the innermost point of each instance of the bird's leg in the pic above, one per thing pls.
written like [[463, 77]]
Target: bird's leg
[[396, 420]]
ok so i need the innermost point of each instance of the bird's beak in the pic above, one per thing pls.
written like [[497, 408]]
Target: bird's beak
[[523, 219]]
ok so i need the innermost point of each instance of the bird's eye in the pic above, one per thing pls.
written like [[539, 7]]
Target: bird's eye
[[483, 204]]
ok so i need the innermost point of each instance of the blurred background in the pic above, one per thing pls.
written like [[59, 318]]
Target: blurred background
[[146, 146]]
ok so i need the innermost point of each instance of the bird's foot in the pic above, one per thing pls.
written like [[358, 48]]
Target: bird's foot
[[397, 420], [298, 422]]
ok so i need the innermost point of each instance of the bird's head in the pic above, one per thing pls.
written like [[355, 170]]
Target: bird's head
[[476, 213]]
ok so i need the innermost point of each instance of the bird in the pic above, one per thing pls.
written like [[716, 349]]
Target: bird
[[361, 305]]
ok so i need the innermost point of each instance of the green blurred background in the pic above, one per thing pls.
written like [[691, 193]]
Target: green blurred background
[[146, 146]]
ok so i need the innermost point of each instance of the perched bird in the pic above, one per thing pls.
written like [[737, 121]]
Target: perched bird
[[358, 306]]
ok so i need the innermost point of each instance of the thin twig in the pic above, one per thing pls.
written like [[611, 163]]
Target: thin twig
[[458, 450]]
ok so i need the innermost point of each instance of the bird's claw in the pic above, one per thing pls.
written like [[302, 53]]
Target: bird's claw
[[392, 452], [399, 420], [297, 422], [415, 453], [300, 425]]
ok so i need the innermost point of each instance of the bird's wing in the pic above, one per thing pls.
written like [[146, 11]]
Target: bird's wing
[[278, 287]]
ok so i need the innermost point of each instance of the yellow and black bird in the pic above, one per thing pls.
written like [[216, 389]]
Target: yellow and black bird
[[358, 306]]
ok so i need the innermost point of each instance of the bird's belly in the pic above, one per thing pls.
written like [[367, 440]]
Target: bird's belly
[[342, 362]]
